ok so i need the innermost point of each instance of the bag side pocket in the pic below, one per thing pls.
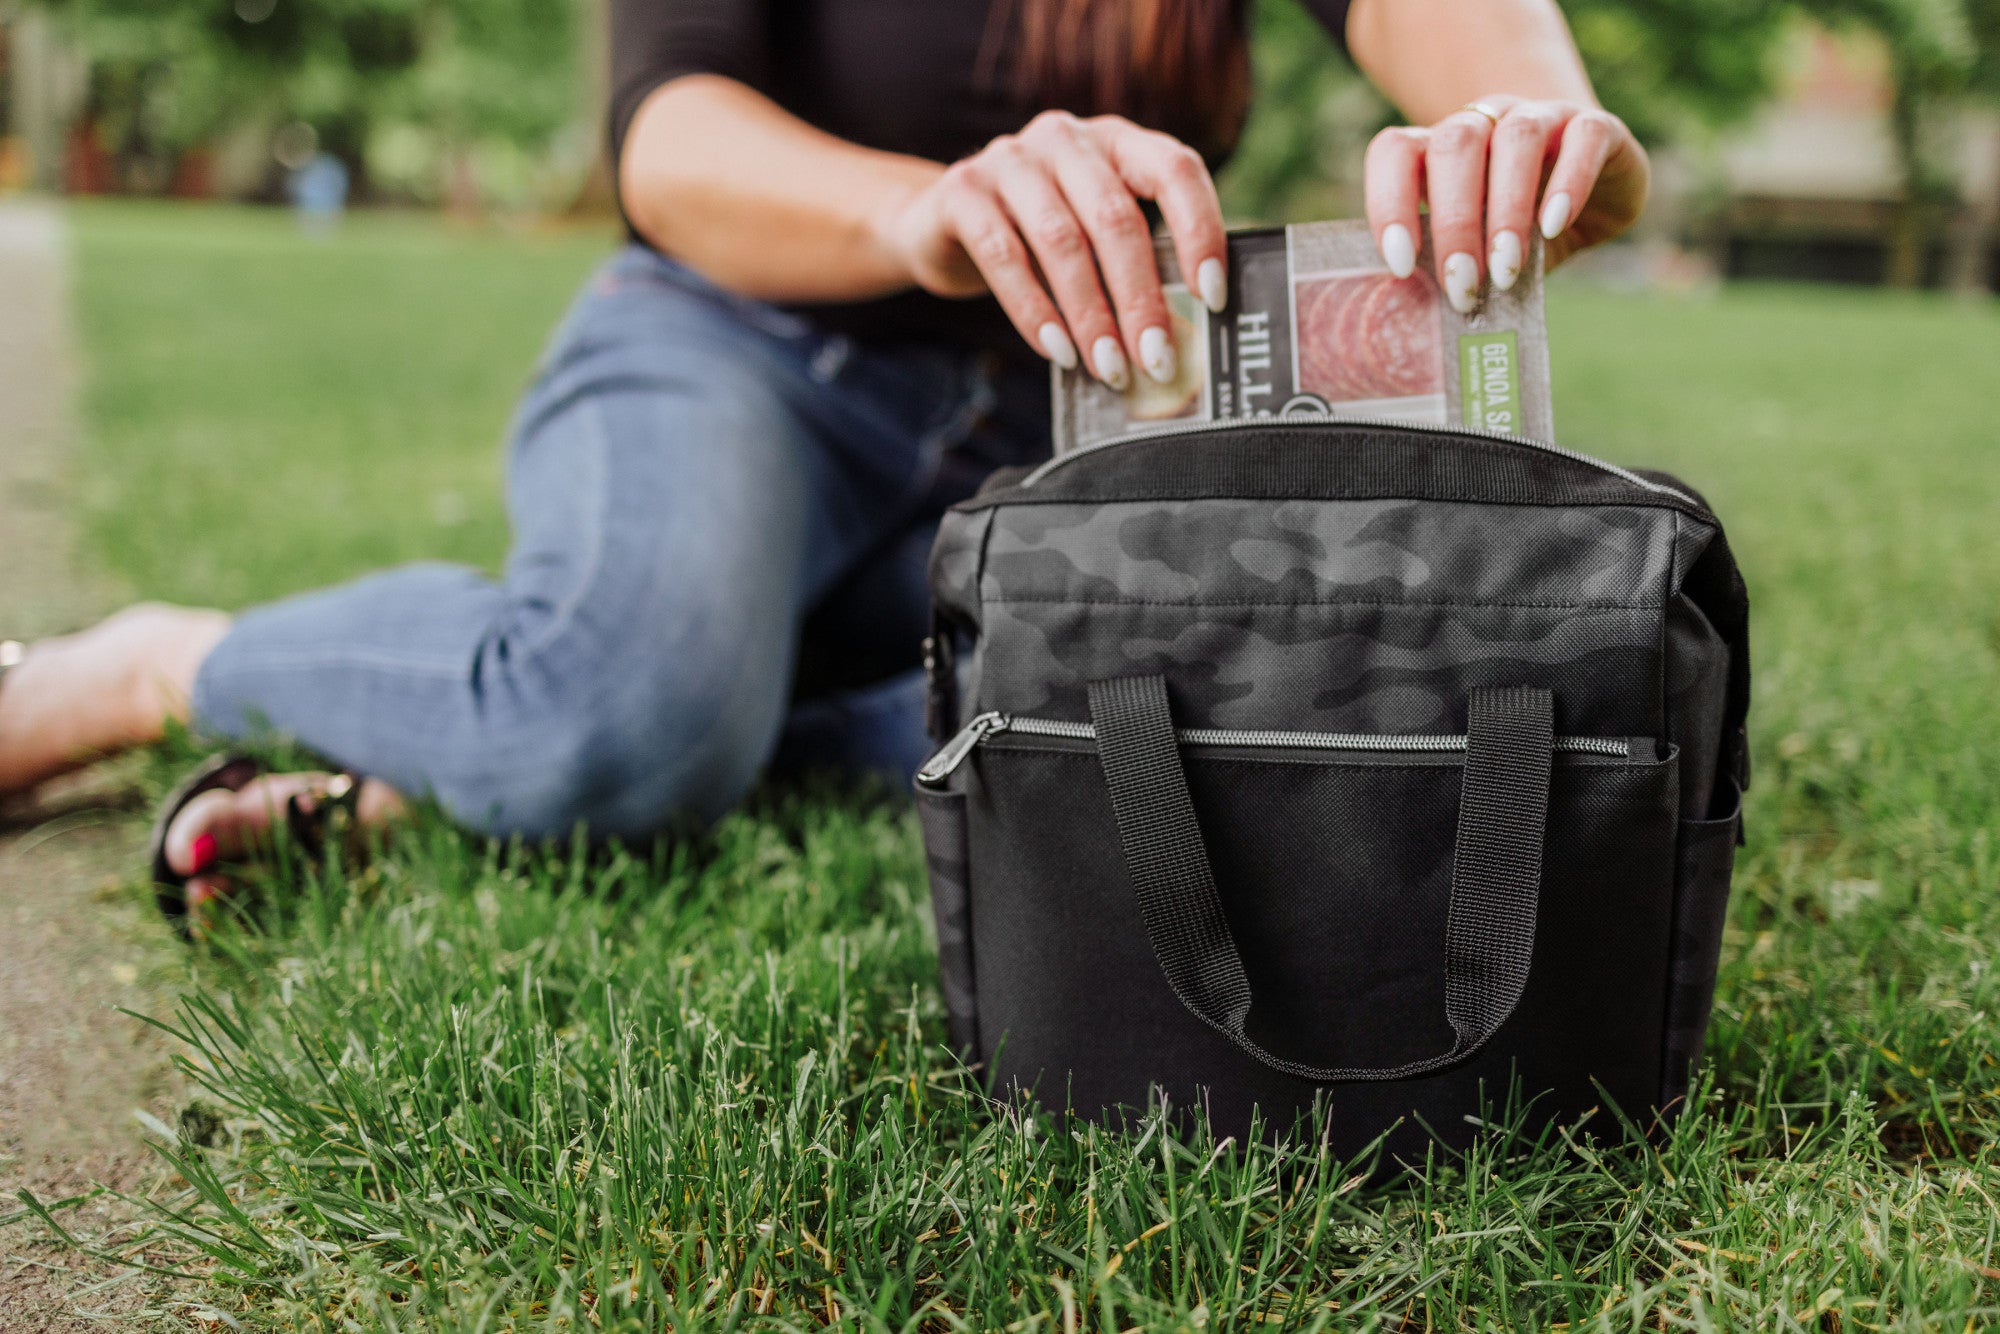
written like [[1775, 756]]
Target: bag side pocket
[[1704, 861], [941, 817]]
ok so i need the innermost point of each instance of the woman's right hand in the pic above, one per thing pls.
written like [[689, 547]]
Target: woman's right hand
[[1048, 221]]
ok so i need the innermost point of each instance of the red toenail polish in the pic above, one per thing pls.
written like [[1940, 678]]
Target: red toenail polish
[[204, 853]]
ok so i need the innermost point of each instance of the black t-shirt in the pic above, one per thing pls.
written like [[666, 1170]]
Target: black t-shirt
[[903, 76]]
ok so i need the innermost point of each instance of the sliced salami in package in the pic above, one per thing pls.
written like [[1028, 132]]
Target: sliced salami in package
[[1317, 325]]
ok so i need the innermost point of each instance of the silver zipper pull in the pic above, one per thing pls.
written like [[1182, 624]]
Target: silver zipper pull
[[942, 765]]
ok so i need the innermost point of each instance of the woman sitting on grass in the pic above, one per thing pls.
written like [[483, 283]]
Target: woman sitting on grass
[[860, 231]]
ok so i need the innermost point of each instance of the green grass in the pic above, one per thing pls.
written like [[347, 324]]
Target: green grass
[[271, 413], [473, 1087]]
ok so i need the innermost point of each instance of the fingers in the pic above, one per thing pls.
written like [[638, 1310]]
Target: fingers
[[1393, 186], [1586, 142], [1051, 220], [988, 235], [1028, 192], [1447, 162], [1482, 179], [1121, 242], [1161, 168], [1516, 154], [1455, 179]]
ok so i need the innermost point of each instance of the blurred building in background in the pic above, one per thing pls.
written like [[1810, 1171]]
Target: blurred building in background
[[1815, 187]]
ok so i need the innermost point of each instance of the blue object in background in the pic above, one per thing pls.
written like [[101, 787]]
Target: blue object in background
[[319, 192]]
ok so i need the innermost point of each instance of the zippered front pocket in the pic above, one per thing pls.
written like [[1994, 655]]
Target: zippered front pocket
[[1332, 856], [937, 770]]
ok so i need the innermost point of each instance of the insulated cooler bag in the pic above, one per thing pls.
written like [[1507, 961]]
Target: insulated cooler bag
[[1386, 768]]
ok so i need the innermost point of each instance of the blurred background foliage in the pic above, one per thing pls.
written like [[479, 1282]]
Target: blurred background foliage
[[407, 93], [494, 103]]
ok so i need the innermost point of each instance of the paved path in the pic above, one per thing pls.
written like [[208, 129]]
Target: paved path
[[74, 942]]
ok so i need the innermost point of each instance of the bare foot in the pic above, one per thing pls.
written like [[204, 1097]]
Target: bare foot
[[81, 697], [219, 825]]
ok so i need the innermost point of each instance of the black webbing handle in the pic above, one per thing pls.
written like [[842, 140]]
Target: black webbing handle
[[1496, 869]]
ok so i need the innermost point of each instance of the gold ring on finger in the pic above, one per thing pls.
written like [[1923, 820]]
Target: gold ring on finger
[[1485, 109]]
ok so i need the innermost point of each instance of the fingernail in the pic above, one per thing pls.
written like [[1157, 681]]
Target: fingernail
[[1213, 280], [1461, 282], [1398, 251], [1555, 215], [1056, 345], [203, 851], [1156, 354], [1109, 360], [1505, 261]]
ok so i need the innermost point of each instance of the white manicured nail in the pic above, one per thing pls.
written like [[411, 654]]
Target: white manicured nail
[[1505, 261], [1056, 345], [1213, 280], [1109, 360], [1156, 354], [1398, 251], [1461, 282], [1555, 215]]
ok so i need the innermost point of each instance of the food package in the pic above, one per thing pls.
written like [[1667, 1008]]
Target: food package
[[1317, 326]]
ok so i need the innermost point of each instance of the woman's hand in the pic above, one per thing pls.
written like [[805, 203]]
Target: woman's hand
[[1485, 179], [1048, 221]]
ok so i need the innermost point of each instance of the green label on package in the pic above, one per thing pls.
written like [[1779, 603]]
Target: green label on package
[[1489, 381]]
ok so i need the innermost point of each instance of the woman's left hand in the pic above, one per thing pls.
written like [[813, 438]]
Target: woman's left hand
[[1484, 175]]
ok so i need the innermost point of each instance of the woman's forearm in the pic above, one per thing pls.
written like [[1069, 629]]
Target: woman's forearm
[[1430, 57], [725, 180]]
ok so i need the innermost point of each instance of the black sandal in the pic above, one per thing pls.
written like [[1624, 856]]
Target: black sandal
[[234, 772]]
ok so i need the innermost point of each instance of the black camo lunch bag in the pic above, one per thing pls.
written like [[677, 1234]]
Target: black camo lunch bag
[[1388, 769]]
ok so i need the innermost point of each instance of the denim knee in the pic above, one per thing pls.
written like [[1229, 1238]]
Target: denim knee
[[627, 763]]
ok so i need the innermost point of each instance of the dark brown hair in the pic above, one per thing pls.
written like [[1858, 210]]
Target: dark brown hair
[[1178, 65]]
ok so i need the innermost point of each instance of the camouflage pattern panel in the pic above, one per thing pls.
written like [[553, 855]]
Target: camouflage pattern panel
[[954, 565], [954, 580], [1361, 616], [1337, 667], [1402, 551]]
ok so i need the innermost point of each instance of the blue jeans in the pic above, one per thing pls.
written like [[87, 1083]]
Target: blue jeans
[[721, 516]]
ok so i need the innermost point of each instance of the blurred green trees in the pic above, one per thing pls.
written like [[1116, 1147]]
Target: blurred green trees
[[411, 93], [410, 84], [1983, 22], [1309, 117], [1669, 67]]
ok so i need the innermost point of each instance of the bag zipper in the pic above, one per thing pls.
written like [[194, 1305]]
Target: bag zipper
[[1373, 423], [953, 753]]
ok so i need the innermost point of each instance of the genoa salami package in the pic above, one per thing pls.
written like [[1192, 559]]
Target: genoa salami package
[[1316, 324]]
